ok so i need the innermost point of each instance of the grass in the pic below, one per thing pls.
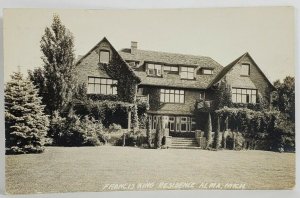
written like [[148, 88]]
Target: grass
[[62, 169]]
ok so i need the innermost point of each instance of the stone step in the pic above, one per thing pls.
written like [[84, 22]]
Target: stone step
[[184, 147], [184, 143]]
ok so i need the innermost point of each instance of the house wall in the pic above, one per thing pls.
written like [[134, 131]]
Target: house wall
[[255, 80], [89, 65], [186, 108]]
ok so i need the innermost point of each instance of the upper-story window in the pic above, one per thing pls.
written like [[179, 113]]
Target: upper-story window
[[154, 69], [171, 96], [171, 68], [104, 56], [202, 95], [245, 70], [241, 95], [104, 86], [207, 71], [187, 72]]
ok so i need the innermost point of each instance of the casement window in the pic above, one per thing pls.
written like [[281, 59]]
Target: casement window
[[154, 69], [171, 96], [104, 56], [207, 71], [171, 68], [187, 72], [104, 86], [245, 70], [240, 95]]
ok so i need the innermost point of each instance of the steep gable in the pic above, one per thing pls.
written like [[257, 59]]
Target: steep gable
[[90, 66], [255, 80]]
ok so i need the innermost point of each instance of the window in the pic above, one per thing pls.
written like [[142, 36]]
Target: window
[[171, 68], [154, 122], [154, 70], [172, 123], [104, 86], [104, 56], [193, 124], [183, 124], [140, 91], [245, 70], [244, 95], [187, 72], [171, 96], [207, 71], [202, 95]]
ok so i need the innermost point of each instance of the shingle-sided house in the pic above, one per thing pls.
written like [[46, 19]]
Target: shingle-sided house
[[175, 85]]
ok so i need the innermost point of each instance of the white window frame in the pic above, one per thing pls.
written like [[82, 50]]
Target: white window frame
[[207, 71], [187, 73], [98, 85], [154, 69], [241, 95], [172, 96]]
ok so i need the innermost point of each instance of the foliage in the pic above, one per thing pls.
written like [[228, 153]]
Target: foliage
[[148, 131], [223, 95], [208, 132], [261, 125], [284, 97], [114, 127], [158, 133], [56, 79], [107, 111], [73, 131], [217, 137], [26, 124]]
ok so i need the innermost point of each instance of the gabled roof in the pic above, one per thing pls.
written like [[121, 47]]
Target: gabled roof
[[173, 80], [226, 69], [115, 51], [168, 58]]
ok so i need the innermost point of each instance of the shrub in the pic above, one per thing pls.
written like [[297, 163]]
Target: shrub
[[114, 127], [73, 131]]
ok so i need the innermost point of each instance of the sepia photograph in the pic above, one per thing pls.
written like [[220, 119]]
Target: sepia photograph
[[149, 99]]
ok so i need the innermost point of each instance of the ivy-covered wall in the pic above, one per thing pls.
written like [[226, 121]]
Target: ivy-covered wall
[[116, 69]]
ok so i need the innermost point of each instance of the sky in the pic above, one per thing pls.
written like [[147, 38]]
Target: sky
[[267, 33]]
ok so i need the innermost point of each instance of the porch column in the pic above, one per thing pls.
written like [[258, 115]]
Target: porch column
[[129, 120]]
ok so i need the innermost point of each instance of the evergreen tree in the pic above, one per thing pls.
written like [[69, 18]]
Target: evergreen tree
[[58, 70], [26, 124]]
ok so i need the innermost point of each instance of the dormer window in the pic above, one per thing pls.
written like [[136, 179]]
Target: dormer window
[[187, 73], [104, 56], [154, 70], [171, 68], [207, 71], [245, 70]]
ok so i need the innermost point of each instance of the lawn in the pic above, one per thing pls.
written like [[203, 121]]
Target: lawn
[[61, 169]]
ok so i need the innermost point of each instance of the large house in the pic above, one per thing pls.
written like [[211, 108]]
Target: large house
[[174, 84]]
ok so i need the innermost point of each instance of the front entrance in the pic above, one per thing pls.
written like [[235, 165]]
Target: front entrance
[[179, 126]]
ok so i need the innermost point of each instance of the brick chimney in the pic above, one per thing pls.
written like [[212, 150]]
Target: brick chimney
[[133, 47]]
